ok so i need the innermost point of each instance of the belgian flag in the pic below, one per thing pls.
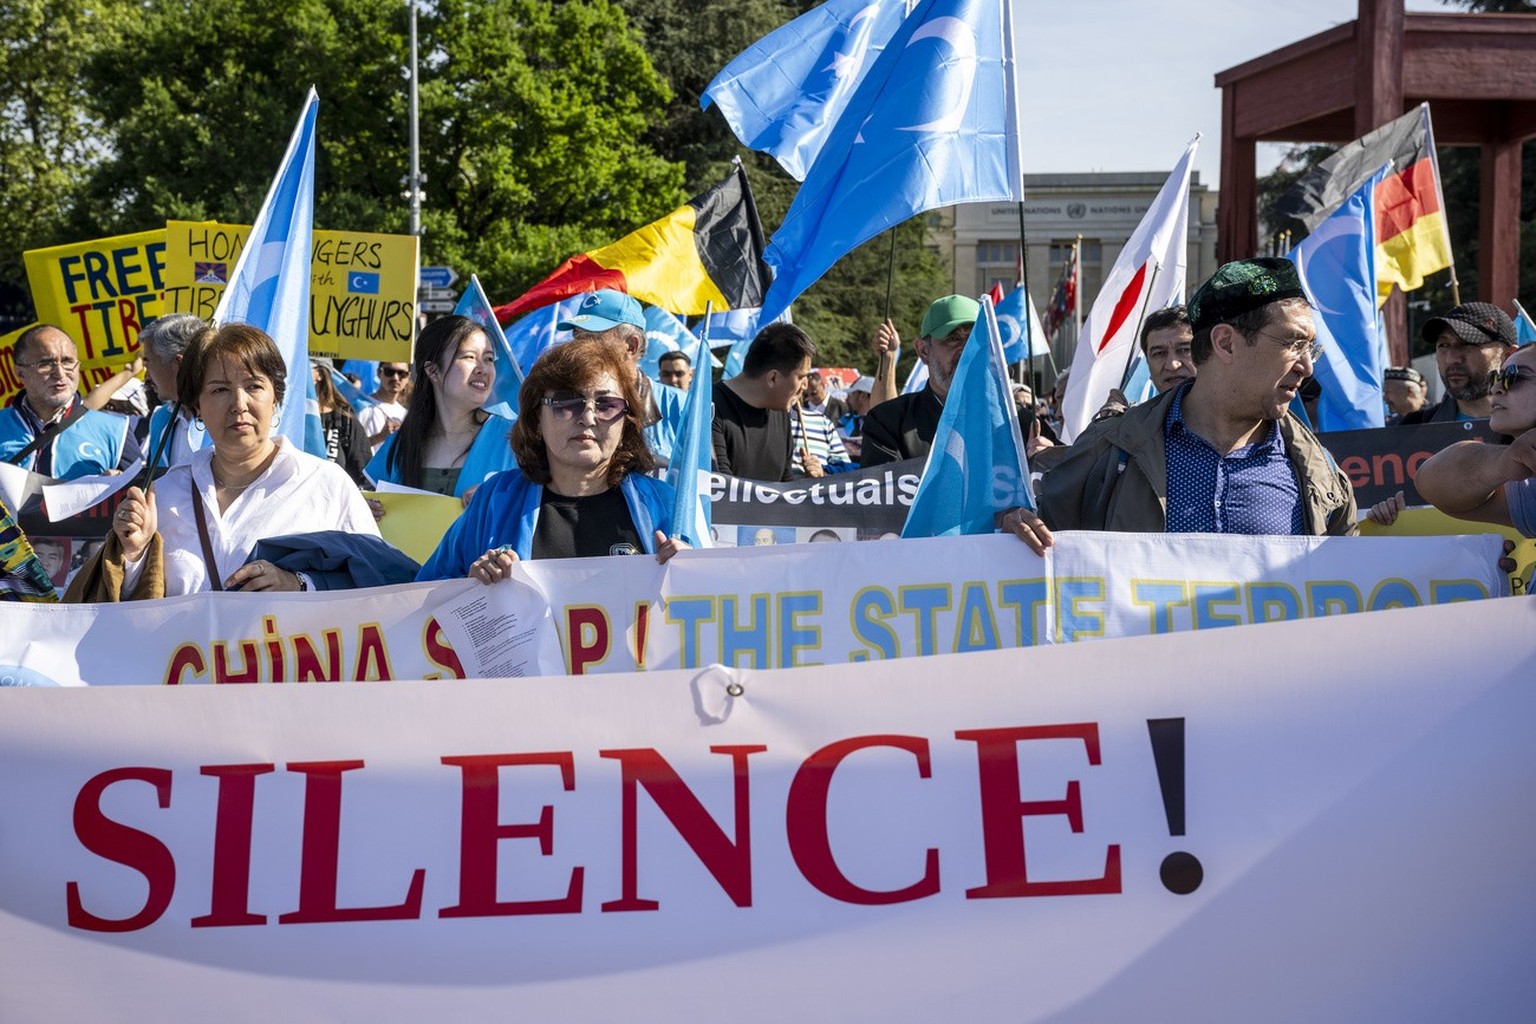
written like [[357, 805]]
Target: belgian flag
[[1412, 236], [708, 250]]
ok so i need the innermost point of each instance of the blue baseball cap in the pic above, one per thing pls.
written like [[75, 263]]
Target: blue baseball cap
[[605, 309]]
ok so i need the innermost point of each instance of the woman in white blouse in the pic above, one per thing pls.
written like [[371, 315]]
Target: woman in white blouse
[[202, 520]]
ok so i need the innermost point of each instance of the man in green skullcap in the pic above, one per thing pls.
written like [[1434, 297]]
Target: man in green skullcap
[[1221, 453]]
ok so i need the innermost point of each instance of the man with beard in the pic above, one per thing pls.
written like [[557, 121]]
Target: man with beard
[[1470, 342], [903, 427], [1217, 454], [383, 419]]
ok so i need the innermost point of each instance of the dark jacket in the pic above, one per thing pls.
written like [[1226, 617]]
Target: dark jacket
[[1115, 477], [901, 428]]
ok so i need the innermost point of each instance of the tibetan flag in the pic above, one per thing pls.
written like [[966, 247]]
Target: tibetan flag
[[710, 250], [1412, 235]]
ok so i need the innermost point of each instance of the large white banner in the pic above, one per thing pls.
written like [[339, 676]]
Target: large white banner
[[1329, 819], [793, 606]]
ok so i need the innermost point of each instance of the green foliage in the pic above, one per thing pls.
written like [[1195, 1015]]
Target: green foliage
[[537, 116], [47, 144]]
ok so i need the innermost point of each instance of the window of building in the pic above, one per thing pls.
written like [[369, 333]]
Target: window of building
[[997, 263]]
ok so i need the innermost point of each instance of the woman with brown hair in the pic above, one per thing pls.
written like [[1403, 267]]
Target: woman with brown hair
[[580, 488], [200, 522]]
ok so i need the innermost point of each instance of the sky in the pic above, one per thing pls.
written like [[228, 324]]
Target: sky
[[1123, 85]]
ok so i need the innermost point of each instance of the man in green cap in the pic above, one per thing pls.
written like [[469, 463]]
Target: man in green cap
[[1221, 453], [902, 427]]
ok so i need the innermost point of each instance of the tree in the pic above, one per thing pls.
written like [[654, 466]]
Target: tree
[[538, 114], [48, 141]]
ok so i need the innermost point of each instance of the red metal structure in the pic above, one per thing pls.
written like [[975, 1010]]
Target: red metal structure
[[1477, 71]]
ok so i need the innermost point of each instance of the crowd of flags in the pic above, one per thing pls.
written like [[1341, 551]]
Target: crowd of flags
[[886, 109]]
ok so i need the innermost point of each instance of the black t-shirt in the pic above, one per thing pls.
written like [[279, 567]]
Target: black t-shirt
[[750, 442], [597, 525]]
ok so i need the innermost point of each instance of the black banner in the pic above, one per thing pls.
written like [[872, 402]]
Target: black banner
[[1384, 460], [862, 505]]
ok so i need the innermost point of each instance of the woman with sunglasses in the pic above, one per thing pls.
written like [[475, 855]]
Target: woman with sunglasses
[[1491, 483], [580, 489], [448, 442]]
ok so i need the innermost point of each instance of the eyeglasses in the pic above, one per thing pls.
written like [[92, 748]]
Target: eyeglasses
[[567, 406], [1296, 347], [1506, 378], [387, 372], [49, 365]]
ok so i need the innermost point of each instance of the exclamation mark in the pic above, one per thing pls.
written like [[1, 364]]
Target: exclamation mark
[[1181, 872], [642, 616]]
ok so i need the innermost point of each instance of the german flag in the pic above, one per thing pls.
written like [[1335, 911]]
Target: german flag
[[708, 250], [1412, 237]]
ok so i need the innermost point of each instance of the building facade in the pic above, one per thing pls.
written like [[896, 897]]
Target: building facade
[[1103, 209]]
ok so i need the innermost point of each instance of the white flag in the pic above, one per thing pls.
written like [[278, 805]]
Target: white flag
[[1147, 276]]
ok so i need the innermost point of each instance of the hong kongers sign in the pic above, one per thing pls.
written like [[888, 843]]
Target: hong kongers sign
[[101, 294], [362, 298]]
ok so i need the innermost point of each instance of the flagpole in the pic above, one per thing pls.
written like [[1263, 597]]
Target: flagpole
[[1030, 372], [1077, 289], [1130, 358]]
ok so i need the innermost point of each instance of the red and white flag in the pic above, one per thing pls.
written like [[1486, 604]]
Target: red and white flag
[[1147, 276]]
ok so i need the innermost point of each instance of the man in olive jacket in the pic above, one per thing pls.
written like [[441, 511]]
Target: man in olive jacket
[[1220, 453]]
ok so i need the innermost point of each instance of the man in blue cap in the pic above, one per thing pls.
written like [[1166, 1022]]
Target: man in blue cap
[[616, 317], [902, 427], [1220, 453]]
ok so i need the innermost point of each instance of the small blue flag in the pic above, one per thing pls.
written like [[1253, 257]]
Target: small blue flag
[[361, 282], [354, 395], [976, 467], [1525, 328], [692, 455], [269, 287], [529, 336], [509, 372], [1337, 266]]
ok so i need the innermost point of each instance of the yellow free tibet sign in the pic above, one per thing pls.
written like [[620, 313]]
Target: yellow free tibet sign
[[101, 294], [362, 290]]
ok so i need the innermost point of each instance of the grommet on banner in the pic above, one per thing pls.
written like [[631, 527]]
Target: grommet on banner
[[715, 690]]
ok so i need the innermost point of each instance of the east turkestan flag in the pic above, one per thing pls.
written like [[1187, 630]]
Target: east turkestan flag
[[1412, 235], [709, 250]]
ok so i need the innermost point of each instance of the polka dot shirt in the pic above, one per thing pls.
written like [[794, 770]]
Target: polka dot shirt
[[1250, 490]]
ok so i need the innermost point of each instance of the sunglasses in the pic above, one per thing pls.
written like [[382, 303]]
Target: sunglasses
[[1509, 376], [386, 372], [568, 406]]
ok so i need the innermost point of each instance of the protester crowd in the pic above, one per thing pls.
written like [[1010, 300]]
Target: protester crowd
[[1223, 445]]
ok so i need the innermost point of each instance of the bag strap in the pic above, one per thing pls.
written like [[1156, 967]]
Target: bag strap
[[202, 535], [49, 433]]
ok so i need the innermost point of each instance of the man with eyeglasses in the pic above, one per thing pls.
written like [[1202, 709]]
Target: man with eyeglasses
[[47, 428], [383, 419], [1220, 453], [1471, 343]]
